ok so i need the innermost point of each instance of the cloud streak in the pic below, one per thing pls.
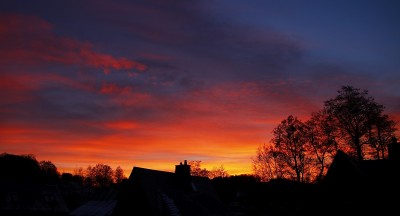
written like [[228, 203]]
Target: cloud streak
[[30, 40]]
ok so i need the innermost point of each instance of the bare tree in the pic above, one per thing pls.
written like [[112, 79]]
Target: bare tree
[[79, 171], [352, 121], [49, 171], [100, 175], [321, 133], [266, 164], [196, 170], [218, 172], [354, 111], [119, 175], [289, 141], [380, 133]]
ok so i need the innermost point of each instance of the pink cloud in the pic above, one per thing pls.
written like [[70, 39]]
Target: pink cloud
[[113, 88], [31, 40]]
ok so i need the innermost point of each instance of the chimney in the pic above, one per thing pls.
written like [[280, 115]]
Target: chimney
[[182, 169], [182, 173], [394, 149]]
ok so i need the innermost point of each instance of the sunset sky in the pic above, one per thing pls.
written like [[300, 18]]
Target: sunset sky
[[151, 83]]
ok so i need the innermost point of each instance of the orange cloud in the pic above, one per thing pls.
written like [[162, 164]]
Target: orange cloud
[[122, 125]]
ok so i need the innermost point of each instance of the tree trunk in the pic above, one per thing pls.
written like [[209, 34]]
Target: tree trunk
[[377, 154], [358, 148]]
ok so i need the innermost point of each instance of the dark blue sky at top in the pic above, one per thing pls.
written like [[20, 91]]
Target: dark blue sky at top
[[348, 30], [246, 63], [363, 31]]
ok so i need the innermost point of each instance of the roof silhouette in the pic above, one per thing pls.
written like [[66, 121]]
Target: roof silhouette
[[361, 187], [154, 192]]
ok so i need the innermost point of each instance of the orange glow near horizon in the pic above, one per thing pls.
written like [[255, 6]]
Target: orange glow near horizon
[[162, 149], [165, 147]]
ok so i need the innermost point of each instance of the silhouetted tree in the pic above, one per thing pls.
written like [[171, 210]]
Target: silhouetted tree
[[49, 171], [380, 133], [100, 175], [78, 175], [66, 177], [19, 168], [119, 175], [320, 134], [352, 121], [354, 111], [218, 172], [266, 164], [289, 141], [196, 170], [79, 171]]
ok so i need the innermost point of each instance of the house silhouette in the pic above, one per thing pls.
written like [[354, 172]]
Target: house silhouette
[[364, 187], [154, 192]]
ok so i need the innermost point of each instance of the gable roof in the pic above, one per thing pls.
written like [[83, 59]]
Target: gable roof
[[164, 193], [364, 187], [346, 170], [343, 169]]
